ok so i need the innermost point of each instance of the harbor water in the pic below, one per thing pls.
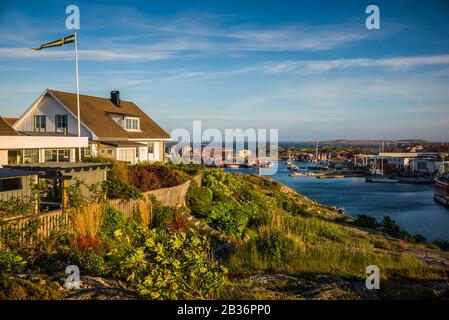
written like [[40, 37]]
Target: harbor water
[[410, 205]]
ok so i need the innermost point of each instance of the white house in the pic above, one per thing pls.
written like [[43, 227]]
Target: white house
[[17, 148], [115, 128]]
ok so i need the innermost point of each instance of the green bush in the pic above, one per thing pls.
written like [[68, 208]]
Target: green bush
[[366, 222], [173, 266], [24, 289], [162, 215], [11, 261], [275, 246], [199, 200], [228, 218], [112, 220], [91, 263], [443, 245], [118, 189], [392, 228], [15, 206]]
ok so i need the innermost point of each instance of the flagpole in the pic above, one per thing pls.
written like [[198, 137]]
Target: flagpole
[[77, 93]]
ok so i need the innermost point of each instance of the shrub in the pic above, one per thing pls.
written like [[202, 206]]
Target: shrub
[[173, 266], [87, 220], [9, 236], [418, 238], [199, 200], [228, 218], [189, 168], [24, 289], [366, 222], [178, 223], [118, 189], [144, 214], [88, 253], [151, 177], [15, 206], [392, 228], [11, 261], [443, 245], [162, 215], [275, 246], [112, 220]]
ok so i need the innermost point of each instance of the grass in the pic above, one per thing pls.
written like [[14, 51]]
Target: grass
[[298, 236], [145, 213], [87, 219]]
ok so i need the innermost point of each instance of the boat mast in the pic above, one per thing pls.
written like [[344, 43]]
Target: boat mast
[[316, 151], [382, 160]]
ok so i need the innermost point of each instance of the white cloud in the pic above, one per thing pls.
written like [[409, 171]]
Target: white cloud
[[321, 66], [136, 37], [137, 54]]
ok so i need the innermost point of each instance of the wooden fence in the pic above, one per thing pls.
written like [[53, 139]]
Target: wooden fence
[[49, 222]]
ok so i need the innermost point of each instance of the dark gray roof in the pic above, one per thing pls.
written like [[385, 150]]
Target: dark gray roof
[[122, 144], [14, 173]]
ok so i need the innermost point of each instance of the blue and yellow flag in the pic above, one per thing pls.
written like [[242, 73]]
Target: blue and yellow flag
[[57, 43]]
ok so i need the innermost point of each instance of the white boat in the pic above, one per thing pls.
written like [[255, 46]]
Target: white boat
[[379, 177]]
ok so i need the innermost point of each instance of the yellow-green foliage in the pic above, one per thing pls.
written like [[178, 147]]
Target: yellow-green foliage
[[297, 235], [87, 220]]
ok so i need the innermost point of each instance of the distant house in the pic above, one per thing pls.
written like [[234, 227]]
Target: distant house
[[115, 128], [20, 148]]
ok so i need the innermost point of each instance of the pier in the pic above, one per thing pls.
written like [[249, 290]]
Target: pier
[[444, 200]]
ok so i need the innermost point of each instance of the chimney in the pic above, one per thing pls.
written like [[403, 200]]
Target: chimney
[[115, 98]]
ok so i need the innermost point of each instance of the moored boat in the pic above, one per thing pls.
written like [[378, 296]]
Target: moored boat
[[442, 184], [380, 179]]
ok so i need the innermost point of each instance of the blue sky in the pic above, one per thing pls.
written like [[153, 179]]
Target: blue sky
[[309, 68]]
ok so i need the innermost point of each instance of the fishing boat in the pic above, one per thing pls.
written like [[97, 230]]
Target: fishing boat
[[305, 174], [442, 184], [379, 177]]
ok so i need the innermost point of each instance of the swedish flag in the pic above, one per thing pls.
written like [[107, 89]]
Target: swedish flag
[[57, 43]]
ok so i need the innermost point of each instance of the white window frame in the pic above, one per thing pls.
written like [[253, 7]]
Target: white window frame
[[132, 125], [41, 124], [58, 121]]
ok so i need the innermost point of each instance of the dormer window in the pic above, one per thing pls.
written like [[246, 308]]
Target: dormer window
[[132, 124]]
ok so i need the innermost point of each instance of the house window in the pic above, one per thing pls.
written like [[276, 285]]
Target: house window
[[40, 123], [31, 156], [150, 147], [10, 184], [15, 156], [64, 155], [422, 166], [61, 122], [132, 124], [51, 155], [127, 154], [86, 152]]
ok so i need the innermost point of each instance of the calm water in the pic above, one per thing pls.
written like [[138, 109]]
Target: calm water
[[411, 205]]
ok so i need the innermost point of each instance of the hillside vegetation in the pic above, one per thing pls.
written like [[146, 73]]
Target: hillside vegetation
[[283, 246], [286, 233]]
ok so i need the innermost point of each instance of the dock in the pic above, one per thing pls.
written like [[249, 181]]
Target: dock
[[331, 176], [443, 199]]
